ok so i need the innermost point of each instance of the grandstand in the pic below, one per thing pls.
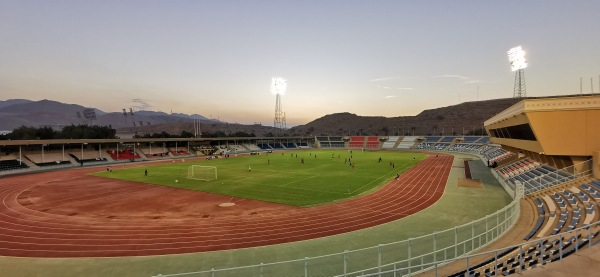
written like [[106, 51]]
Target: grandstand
[[542, 149], [356, 142], [330, 141], [88, 156], [437, 143], [553, 217], [407, 142], [179, 152], [391, 142], [372, 142], [11, 164], [127, 154]]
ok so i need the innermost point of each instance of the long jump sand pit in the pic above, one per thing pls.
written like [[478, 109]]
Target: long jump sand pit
[[469, 183], [70, 214]]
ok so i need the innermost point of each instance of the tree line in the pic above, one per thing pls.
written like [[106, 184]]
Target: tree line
[[67, 132], [99, 132]]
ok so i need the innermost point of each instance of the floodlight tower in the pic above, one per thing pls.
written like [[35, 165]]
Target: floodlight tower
[[278, 87], [516, 56]]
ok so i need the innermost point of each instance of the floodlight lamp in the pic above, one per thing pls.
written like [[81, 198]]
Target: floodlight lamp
[[516, 56], [278, 85]]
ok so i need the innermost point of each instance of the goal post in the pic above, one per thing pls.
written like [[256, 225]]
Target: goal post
[[202, 173]]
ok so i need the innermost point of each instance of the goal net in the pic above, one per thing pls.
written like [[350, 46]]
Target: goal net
[[203, 173]]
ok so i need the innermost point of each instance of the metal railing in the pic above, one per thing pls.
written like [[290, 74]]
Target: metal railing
[[550, 179], [522, 256], [415, 254]]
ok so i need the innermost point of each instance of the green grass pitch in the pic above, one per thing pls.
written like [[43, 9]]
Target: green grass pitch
[[280, 177]]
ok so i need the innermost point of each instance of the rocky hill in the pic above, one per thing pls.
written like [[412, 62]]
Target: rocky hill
[[446, 120]]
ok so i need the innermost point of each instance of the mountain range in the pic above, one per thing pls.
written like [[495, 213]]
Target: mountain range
[[21, 112], [456, 119]]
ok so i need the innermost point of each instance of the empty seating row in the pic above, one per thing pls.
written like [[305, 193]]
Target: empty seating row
[[561, 222], [483, 140], [462, 147], [390, 142], [407, 142], [520, 259], [448, 139], [12, 165], [536, 228], [591, 191], [517, 168], [372, 142], [470, 139], [540, 206], [77, 159], [537, 178], [123, 154], [264, 146], [179, 152], [432, 139], [559, 200]]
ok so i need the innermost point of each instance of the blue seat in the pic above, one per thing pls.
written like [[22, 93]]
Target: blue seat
[[535, 229]]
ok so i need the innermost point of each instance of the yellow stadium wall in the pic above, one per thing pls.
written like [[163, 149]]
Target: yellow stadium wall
[[569, 133], [596, 169]]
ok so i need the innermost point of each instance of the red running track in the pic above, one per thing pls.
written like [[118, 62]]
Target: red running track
[[70, 214]]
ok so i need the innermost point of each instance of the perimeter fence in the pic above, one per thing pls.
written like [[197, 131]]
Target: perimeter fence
[[510, 259], [408, 256]]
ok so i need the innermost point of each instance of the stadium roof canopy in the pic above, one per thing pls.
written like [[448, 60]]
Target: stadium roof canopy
[[560, 126]]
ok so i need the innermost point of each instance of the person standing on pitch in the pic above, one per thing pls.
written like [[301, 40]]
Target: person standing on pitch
[[146, 172]]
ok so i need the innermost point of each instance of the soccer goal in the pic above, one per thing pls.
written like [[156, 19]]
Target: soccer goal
[[203, 173]]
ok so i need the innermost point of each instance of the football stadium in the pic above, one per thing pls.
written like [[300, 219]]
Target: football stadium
[[417, 185], [318, 206]]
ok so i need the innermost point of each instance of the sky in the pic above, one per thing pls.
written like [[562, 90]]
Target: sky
[[217, 58]]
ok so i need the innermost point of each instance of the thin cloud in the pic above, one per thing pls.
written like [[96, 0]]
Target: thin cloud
[[390, 96], [460, 77], [383, 79], [395, 88], [465, 79]]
